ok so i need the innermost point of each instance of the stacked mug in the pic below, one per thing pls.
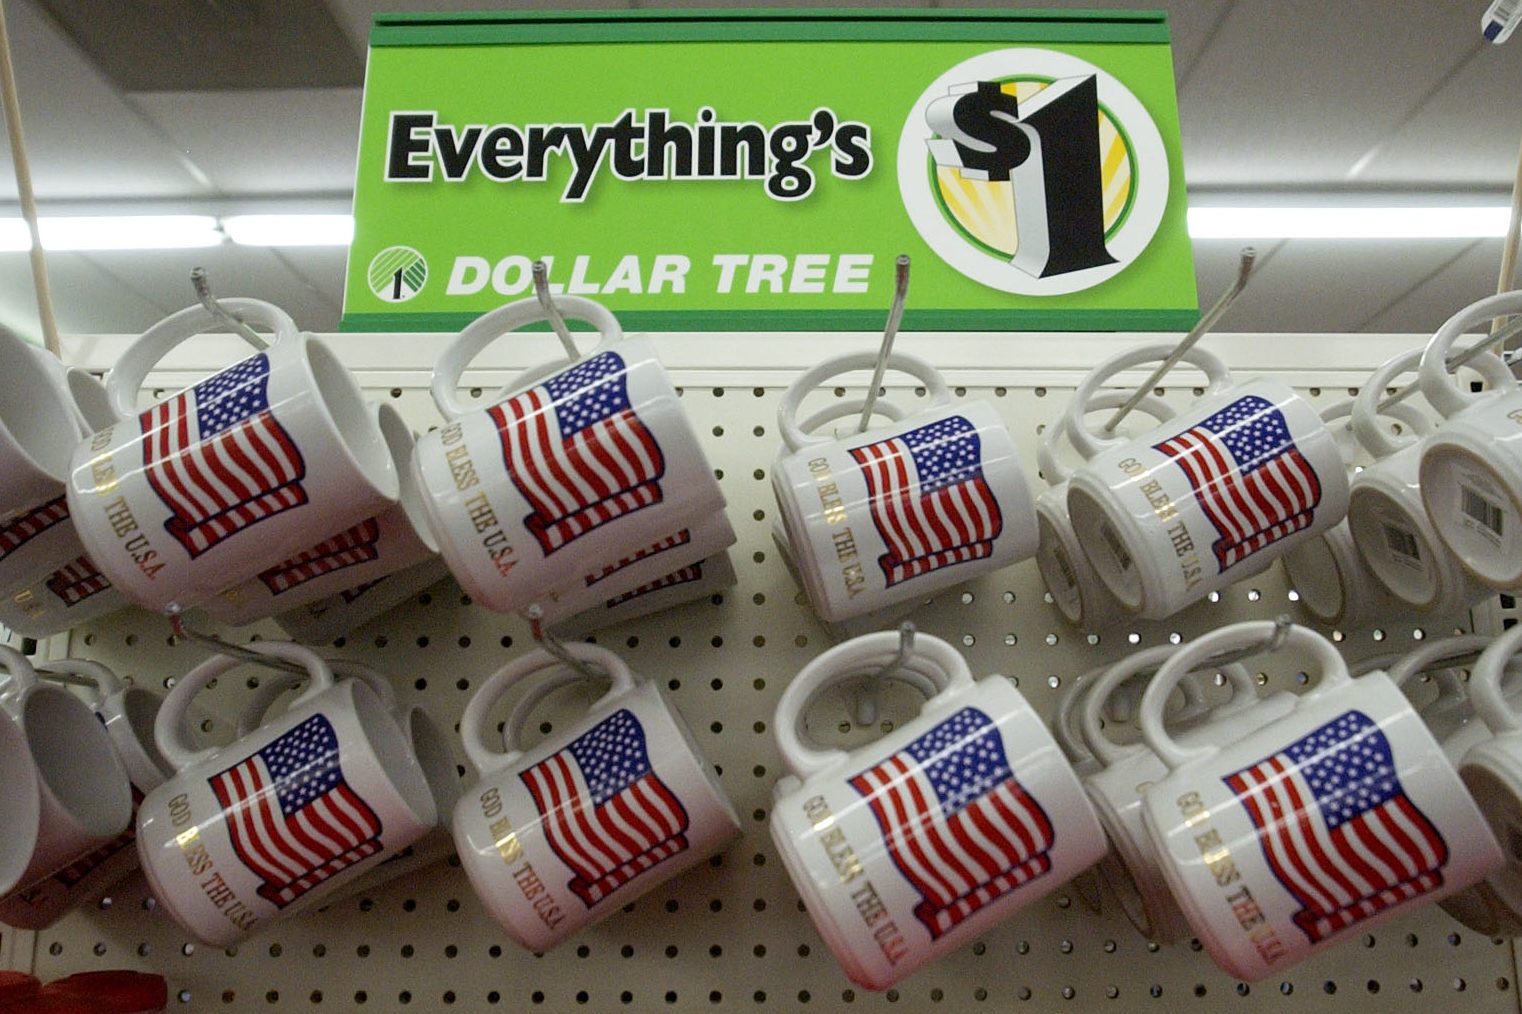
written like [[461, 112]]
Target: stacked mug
[[1209, 497], [1386, 516], [580, 483], [47, 582], [885, 517], [1083, 599], [207, 488]]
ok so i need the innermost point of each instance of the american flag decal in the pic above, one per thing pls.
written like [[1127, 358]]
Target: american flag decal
[[18, 531], [930, 502], [958, 824], [293, 819], [1248, 476], [1336, 827], [219, 460], [347, 549], [577, 451], [681, 538], [606, 813], [77, 581], [687, 575]]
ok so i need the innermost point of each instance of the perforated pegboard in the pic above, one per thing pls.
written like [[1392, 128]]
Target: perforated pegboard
[[731, 934]]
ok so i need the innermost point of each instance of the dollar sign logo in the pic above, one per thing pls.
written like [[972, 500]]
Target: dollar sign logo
[[986, 134], [1050, 155]]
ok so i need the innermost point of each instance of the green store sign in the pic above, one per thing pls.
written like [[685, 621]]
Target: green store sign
[[761, 169]]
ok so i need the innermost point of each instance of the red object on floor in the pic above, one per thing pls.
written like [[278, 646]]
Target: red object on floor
[[112, 992]]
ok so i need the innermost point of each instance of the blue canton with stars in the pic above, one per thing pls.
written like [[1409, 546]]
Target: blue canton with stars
[[1349, 767], [589, 392], [304, 763], [945, 453], [240, 391], [1252, 430], [612, 755], [963, 758]]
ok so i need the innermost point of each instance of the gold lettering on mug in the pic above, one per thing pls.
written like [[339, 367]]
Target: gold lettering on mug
[[1217, 859], [844, 540], [505, 841], [198, 860], [869, 904], [499, 549]]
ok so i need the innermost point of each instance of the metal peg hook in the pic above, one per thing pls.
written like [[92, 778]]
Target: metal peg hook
[[556, 648], [1273, 642], [1456, 360], [542, 291], [1190, 340], [242, 654], [201, 282], [868, 694], [890, 332]]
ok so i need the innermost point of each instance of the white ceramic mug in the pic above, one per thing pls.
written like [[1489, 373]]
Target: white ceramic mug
[[268, 825], [1389, 523], [429, 745], [1127, 772], [1471, 469], [327, 619], [560, 835], [1078, 592], [1327, 572], [256, 462], [38, 430], [1214, 495], [1342, 813], [128, 713], [570, 469], [63, 790], [899, 512], [908, 847], [393, 540]]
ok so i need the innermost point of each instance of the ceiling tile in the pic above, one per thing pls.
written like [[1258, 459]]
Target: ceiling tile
[[1295, 92], [1471, 277], [1308, 285], [265, 142], [84, 139]]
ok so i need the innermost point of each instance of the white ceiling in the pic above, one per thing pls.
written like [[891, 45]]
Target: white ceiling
[[1357, 95]]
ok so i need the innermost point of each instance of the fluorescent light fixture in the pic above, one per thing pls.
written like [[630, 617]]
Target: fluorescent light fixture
[[117, 232], [1348, 223], [290, 230]]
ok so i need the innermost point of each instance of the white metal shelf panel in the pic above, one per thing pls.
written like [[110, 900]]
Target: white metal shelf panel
[[731, 934]]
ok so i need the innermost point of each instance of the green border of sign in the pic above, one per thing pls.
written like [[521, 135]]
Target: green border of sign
[[789, 25]]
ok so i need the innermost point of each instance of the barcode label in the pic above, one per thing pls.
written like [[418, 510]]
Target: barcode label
[[1482, 510], [1402, 542], [1116, 547]]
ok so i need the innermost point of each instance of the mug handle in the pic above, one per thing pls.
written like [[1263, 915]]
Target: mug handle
[[16, 672], [1421, 659], [932, 662], [1418, 422], [1052, 468], [1083, 439], [796, 436], [497, 323], [1197, 654], [473, 724], [1374, 437], [1436, 382], [1244, 694], [1064, 728], [1485, 684], [125, 382], [169, 727], [271, 689], [82, 672]]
